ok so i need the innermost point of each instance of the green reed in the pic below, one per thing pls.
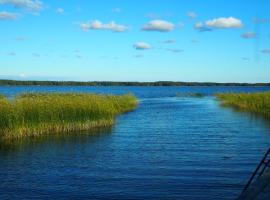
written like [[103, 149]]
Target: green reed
[[252, 102], [38, 113]]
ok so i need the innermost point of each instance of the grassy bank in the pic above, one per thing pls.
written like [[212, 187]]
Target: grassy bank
[[39, 113], [253, 102]]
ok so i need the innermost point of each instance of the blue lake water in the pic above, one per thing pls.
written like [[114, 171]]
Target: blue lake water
[[171, 147]]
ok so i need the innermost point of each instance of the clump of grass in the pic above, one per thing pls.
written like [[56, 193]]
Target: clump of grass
[[253, 102], [38, 113]]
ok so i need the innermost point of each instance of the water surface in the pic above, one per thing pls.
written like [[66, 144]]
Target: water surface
[[169, 148]]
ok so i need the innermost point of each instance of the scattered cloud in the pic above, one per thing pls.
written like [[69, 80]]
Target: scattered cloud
[[219, 23], [116, 10], [60, 10], [201, 27], [159, 25], [175, 50], [8, 16], [249, 35], [172, 41], [142, 46], [223, 22], [98, 25], [192, 15], [266, 51], [29, 5], [198, 25]]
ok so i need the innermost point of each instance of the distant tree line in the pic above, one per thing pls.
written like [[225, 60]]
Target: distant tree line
[[113, 83]]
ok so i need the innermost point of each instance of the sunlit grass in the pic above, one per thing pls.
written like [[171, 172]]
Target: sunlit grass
[[39, 113], [252, 102]]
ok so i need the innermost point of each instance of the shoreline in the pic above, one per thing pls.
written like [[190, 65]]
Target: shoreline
[[6, 82]]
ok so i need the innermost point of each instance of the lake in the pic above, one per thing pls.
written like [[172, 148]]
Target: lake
[[172, 147]]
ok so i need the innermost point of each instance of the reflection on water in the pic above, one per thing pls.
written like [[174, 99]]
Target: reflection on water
[[78, 138], [251, 116]]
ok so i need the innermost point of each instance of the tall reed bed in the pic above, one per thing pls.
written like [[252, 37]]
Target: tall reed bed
[[38, 113], [252, 102]]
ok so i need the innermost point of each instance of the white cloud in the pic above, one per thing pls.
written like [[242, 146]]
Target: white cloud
[[223, 22], [8, 16], [142, 46], [30, 5], [249, 35], [60, 10], [201, 27], [159, 25], [98, 25], [192, 15]]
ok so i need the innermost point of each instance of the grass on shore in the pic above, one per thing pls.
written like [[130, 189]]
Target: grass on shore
[[38, 113], [252, 102]]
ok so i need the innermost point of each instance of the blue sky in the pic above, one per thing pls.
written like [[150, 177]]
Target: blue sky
[[142, 40]]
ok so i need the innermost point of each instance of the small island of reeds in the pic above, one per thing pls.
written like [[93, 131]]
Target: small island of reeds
[[33, 114], [252, 102]]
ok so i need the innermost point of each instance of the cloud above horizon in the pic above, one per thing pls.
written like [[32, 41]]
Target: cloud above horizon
[[192, 15], [222, 23], [142, 46], [159, 26], [98, 25], [8, 16], [219, 23], [29, 5], [201, 27]]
